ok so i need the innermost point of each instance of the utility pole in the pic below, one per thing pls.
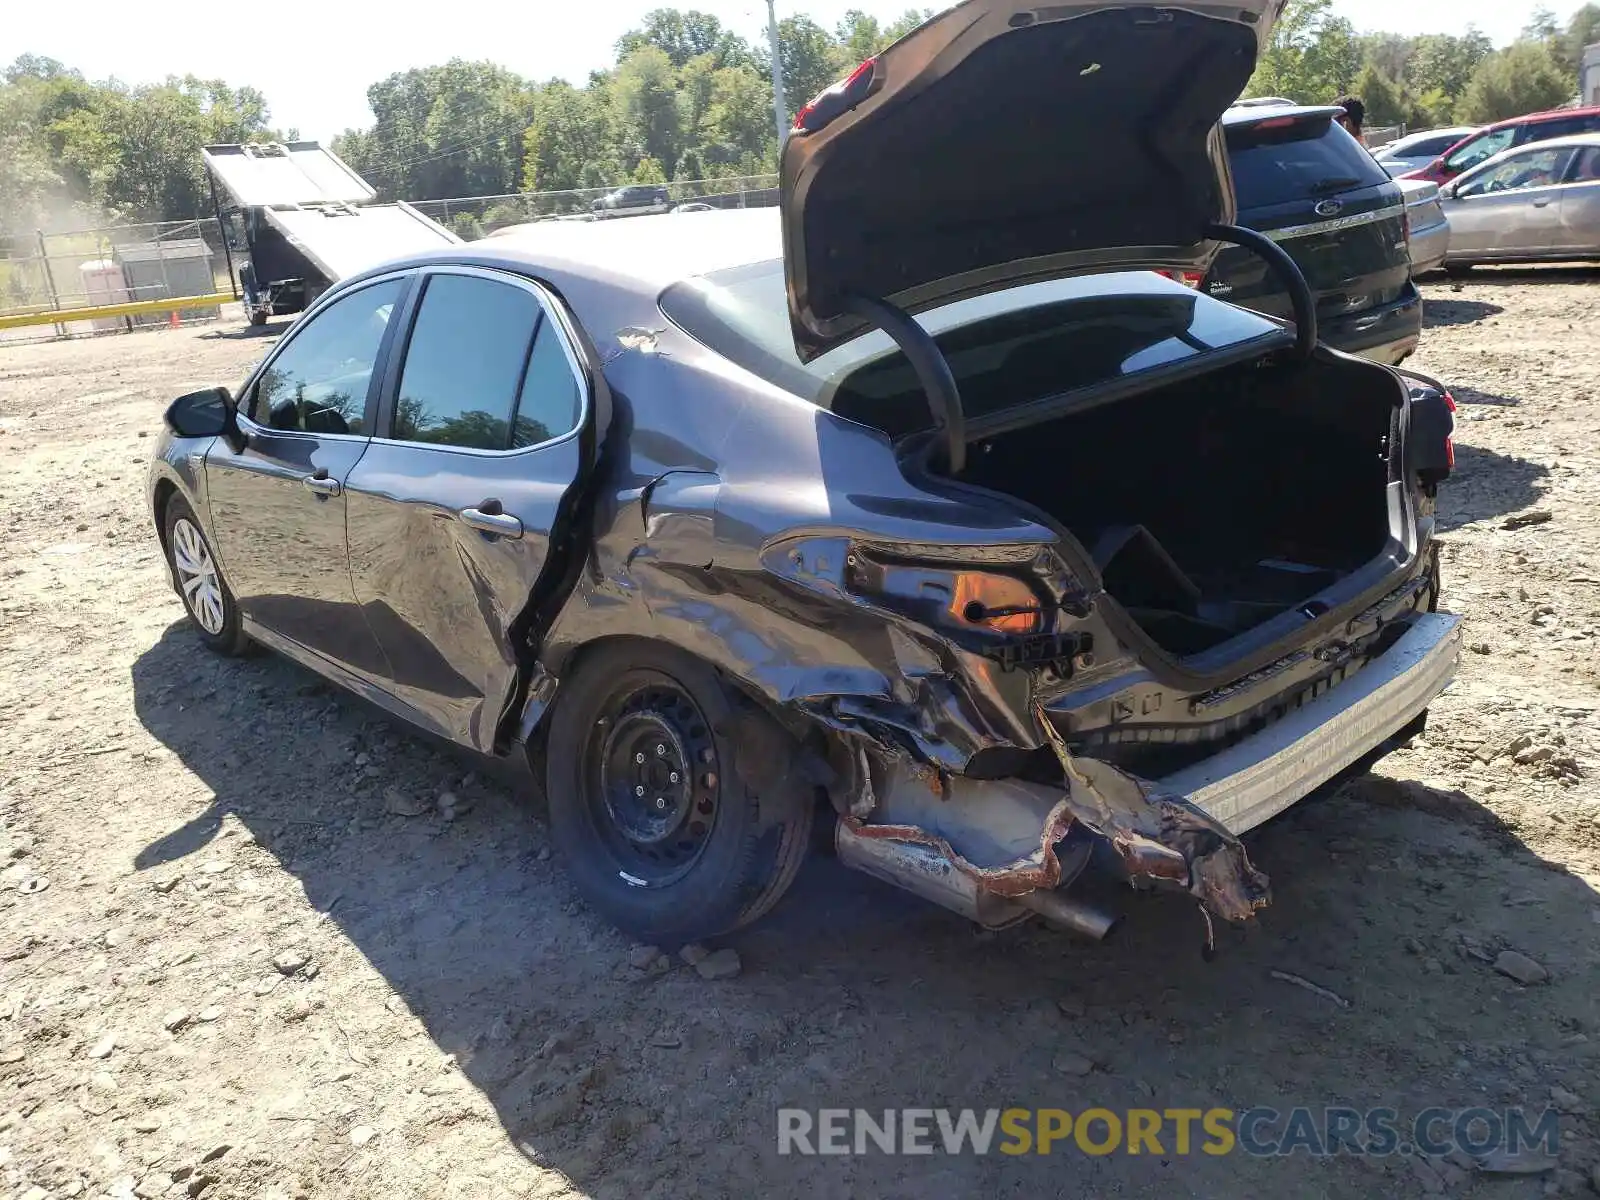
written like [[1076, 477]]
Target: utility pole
[[780, 109]]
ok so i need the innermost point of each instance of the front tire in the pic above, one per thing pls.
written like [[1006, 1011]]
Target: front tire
[[199, 583], [673, 797], [1458, 270]]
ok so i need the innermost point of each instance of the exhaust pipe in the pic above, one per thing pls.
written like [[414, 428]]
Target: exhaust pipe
[[1073, 916], [926, 872]]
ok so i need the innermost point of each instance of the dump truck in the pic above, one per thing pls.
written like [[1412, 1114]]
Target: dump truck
[[302, 219]]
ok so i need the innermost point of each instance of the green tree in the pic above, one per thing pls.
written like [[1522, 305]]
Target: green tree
[[682, 36], [645, 97], [861, 35], [1313, 56], [1521, 78], [649, 170], [569, 144], [689, 167], [451, 130], [1444, 64], [1389, 52], [696, 88], [739, 121], [1385, 104], [1583, 29], [811, 60]]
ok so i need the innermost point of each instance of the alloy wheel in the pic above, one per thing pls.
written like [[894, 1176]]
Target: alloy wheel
[[197, 576]]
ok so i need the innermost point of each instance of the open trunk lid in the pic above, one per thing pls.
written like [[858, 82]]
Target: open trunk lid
[[1006, 142]]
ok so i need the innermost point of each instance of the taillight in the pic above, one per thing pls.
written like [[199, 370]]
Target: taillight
[[838, 99], [998, 602], [1189, 279], [1449, 438]]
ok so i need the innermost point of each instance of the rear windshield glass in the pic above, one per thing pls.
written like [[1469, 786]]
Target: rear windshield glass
[[1278, 164], [1005, 349]]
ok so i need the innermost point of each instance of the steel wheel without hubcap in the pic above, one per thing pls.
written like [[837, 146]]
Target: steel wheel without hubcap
[[197, 576], [651, 780]]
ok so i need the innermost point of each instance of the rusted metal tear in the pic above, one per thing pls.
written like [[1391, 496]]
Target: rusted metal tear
[[1160, 836], [1028, 874]]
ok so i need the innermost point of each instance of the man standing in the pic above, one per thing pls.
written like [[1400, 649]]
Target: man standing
[[1355, 115]]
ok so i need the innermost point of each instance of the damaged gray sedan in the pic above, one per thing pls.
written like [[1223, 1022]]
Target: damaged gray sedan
[[931, 511]]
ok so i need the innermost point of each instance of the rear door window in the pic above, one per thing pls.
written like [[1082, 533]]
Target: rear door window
[[1543, 131], [484, 369], [1276, 164], [1585, 167]]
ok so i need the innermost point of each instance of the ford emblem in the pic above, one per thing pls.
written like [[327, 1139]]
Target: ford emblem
[[1328, 208]]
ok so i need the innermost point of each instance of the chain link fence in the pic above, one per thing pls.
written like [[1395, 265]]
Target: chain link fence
[[48, 272], [472, 217], [118, 264]]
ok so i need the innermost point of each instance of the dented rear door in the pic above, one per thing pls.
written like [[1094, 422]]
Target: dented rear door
[[488, 427]]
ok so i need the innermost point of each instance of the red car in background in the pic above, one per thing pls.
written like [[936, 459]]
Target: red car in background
[[1517, 131]]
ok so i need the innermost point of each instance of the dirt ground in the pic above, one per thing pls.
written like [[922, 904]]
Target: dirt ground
[[226, 968]]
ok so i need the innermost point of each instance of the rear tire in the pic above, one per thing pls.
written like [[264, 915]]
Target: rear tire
[[672, 796], [198, 580]]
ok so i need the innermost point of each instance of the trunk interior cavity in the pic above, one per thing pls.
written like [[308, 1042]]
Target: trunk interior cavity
[[1214, 504]]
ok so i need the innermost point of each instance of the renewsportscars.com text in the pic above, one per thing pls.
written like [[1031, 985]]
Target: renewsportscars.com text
[[1259, 1132]]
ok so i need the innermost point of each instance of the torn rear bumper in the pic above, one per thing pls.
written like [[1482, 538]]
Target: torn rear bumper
[[984, 848], [1257, 778]]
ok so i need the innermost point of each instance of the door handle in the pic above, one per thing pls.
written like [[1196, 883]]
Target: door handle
[[488, 517], [321, 484], [1541, 202]]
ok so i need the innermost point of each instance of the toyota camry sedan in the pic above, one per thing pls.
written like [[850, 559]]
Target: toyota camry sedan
[[936, 514]]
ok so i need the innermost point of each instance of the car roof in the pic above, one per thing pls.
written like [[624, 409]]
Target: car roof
[[1554, 114], [1411, 139], [1256, 113], [641, 254]]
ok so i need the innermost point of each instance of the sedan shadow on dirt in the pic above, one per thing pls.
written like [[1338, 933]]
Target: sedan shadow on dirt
[[1486, 485], [622, 1071]]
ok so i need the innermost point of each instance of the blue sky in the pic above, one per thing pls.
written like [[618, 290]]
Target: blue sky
[[314, 62]]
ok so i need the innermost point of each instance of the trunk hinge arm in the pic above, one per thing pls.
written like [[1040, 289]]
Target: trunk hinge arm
[[933, 372], [1287, 271]]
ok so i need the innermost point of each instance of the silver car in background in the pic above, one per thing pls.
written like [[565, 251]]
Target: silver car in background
[[1419, 149], [1536, 203], [1429, 227]]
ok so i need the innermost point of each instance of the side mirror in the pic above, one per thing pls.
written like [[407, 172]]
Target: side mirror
[[210, 413]]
